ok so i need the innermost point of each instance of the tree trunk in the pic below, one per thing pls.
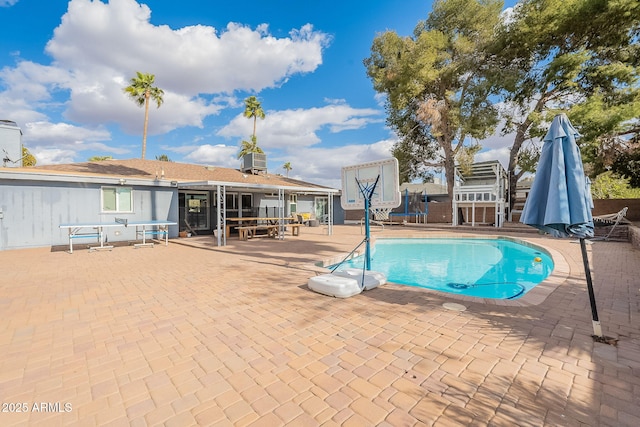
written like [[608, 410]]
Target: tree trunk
[[450, 173], [513, 160], [146, 123], [255, 118]]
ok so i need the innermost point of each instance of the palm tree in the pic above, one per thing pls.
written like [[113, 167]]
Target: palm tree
[[163, 158], [253, 109], [99, 158], [250, 147], [141, 90], [287, 167]]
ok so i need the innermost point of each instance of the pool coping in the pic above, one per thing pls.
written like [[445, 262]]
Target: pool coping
[[535, 296]]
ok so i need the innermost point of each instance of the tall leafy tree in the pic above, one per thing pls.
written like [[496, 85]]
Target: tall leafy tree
[[141, 91], [437, 93], [576, 56], [626, 161], [253, 110]]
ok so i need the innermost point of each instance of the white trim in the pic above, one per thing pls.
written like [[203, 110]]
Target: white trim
[[48, 176]]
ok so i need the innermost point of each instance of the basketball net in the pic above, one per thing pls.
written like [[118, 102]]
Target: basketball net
[[381, 214]]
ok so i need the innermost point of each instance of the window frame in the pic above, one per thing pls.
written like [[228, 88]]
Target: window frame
[[293, 203], [242, 198], [119, 191]]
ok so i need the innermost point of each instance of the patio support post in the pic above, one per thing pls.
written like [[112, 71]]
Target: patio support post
[[221, 217], [330, 214], [281, 204]]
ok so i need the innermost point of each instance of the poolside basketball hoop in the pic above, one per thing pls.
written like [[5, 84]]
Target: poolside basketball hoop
[[383, 194], [373, 187]]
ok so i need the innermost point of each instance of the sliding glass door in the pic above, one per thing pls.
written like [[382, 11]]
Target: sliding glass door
[[195, 209]]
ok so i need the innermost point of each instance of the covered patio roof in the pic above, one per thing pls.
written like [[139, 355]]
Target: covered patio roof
[[258, 187]]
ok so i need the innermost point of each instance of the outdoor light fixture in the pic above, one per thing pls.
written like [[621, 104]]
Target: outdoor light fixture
[[122, 181]]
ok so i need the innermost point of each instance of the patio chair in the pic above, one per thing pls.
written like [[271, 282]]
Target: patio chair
[[300, 219], [611, 220]]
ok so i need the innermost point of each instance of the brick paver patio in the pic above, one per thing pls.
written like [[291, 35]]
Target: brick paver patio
[[193, 334]]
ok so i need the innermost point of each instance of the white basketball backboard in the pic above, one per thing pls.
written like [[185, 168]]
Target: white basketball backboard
[[387, 190]]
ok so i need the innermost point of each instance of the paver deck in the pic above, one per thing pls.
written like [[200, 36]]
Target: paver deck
[[193, 334]]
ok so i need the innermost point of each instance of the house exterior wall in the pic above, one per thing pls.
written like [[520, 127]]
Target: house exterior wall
[[31, 211]]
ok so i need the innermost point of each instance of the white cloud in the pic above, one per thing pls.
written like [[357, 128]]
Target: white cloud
[[312, 164], [99, 46], [33, 83], [497, 140], [298, 128], [52, 156], [61, 142], [380, 98], [190, 60], [96, 104], [7, 3], [219, 155], [323, 165], [501, 154], [18, 110], [508, 15], [45, 133]]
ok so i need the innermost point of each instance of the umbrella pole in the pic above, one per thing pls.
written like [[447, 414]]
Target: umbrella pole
[[597, 329]]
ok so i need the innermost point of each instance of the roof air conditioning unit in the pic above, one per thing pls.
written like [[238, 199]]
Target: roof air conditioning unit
[[254, 162]]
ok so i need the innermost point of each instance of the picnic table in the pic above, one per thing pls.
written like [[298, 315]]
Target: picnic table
[[248, 227]]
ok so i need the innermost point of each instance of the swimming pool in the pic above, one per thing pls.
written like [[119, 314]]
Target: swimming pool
[[495, 268]]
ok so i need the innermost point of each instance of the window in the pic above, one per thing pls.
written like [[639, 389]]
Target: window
[[231, 204], [293, 203], [117, 199], [231, 201], [246, 200]]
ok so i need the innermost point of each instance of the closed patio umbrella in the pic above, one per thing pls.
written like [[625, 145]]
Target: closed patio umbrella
[[559, 202]]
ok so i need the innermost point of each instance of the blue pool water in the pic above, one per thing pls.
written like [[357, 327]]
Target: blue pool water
[[484, 268]]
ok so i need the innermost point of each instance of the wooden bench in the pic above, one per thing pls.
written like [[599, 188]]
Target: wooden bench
[[295, 228], [246, 232]]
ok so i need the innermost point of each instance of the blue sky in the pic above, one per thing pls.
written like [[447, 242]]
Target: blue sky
[[63, 66]]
